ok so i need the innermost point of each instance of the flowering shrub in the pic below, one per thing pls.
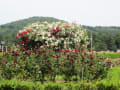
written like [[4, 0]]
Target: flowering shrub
[[58, 35]]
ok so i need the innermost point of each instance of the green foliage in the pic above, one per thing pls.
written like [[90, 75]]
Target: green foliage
[[53, 86], [29, 85], [112, 80], [103, 29]]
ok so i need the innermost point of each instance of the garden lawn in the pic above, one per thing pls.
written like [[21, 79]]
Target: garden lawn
[[112, 55], [1, 54]]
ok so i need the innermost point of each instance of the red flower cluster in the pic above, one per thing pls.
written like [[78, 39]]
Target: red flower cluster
[[28, 52], [23, 33], [67, 26], [67, 50], [109, 62], [0, 50], [55, 56], [60, 51], [15, 53], [57, 28], [15, 61], [56, 36], [71, 34], [55, 31]]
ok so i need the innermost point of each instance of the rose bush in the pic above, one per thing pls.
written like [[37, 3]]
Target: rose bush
[[58, 35]]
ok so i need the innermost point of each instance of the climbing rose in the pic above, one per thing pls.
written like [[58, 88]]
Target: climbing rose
[[67, 50], [28, 30], [71, 34], [55, 31], [60, 51], [26, 41], [66, 26], [25, 32], [51, 35], [16, 53], [58, 28], [22, 42], [14, 61], [56, 36]]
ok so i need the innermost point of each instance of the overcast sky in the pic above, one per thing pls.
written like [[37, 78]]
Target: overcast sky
[[85, 12]]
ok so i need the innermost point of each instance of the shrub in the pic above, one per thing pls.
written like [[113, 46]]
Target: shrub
[[53, 86]]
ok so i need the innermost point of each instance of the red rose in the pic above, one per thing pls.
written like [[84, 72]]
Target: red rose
[[16, 37], [20, 34], [82, 50], [71, 34], [26, 41], [25, 38], [28, 30], [14, 61], [52, 56], [41, 51], [56, 36], [57, 56], [55, 31], [22, 42], [24, 32], [16, 53], [110, 63], [60, 51], [52, 29], [58, 28], [67, 26], [45, 46], [89, 50], [67, 50], [23, 49], [51, 35]]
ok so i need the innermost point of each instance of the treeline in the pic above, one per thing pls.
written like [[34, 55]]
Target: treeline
[[104, 41]]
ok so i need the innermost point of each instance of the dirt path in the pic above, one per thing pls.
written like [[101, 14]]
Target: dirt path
[[117, 59]]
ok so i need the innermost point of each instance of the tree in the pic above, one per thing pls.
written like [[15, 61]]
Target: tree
[[110, 41]]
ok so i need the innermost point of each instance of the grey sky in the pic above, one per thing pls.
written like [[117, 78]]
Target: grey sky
[[87, 12]]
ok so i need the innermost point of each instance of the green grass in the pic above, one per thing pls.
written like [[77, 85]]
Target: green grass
[[1, 54], [110, 82], [112, 55]]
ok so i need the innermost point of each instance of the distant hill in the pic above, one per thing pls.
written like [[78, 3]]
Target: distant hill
[[13, 27], [104, 29]]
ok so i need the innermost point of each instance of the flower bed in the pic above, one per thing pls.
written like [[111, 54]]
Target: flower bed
[[46, 51]]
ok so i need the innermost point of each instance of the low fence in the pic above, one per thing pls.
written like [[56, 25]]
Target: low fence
[[3, 48]]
